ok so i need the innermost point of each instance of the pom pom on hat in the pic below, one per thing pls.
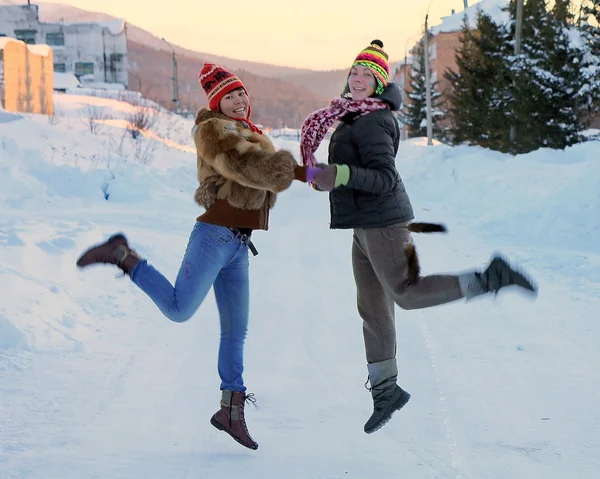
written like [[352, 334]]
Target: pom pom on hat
[[375, 59]]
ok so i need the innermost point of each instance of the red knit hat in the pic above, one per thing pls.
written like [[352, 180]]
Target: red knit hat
[[216, 82]]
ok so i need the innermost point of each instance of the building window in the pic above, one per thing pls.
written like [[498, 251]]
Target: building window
[[27, 36], [55, 39], [82, 68], [60, 67], [432, 51]]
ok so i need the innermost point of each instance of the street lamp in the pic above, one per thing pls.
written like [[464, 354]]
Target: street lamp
[[428, 75], [428, 85], [139, 80], [175, 78], [428, 80], [518, 41]]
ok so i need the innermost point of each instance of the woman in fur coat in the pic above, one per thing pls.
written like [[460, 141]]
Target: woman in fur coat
[[367, 194], [240, 174]]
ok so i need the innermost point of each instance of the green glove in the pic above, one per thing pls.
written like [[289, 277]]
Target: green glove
[[332, 176]]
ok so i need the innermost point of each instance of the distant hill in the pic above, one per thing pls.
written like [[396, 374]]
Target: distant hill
[[281, 96], [324, 83], [275, 102]]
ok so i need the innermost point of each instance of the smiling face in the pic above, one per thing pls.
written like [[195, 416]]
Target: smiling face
[[361, 82], [235, 104]]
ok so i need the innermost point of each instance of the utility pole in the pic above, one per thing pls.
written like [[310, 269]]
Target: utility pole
[[175, 78], [519, 28], [428, 85], [518, 41], [466, 4]]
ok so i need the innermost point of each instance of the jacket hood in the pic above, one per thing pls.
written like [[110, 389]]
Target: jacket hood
[[392, 96]]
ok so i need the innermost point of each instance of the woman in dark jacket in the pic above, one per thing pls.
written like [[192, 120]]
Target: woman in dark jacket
[[368, 195]]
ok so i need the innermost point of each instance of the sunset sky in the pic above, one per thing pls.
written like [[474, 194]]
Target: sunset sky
[[316, 34]]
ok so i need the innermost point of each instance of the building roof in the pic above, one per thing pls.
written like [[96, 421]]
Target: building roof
[[409, 61], [65, 81], [42, 50], [454, 23], [115, 27]]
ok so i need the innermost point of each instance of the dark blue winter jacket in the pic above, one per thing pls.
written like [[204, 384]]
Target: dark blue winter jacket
[[375, 195]]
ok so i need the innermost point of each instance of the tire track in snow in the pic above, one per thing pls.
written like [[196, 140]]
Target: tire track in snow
[[333, 380], [450, 435]]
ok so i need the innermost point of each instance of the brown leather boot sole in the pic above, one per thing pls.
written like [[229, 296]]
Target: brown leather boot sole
[[220, 427], [102, 253]]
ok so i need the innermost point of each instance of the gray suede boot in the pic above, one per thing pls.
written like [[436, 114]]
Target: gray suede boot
[[388, 397], [499, 274]]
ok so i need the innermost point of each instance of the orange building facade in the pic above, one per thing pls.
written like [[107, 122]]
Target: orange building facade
[[26, 77]]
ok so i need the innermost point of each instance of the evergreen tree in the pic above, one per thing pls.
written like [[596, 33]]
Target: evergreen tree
[[545, 79], [588, 26], [562, 11], [414, 113], [591, 8], [479, 105]]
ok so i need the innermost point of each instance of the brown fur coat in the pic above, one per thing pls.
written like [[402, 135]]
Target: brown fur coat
[[237, 164]]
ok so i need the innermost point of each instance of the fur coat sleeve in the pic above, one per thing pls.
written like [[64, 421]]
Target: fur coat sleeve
[[241, 155]]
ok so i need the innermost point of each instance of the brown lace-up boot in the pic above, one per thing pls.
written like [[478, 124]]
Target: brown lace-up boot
[[115, 251], [230, 418]]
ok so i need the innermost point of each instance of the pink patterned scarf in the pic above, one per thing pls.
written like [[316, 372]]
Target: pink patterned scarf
[[315, 126]]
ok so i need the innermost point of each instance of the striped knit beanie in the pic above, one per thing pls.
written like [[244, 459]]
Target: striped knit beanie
[[375, 59], [216, 82]]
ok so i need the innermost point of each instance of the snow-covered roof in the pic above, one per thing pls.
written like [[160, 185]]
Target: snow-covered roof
[[398, 64], [4, 41], [454, 23], [64, 81], [115, 27], [42, 50]]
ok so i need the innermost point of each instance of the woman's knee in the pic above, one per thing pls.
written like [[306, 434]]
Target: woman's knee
[[177, 314], [406, 305], [404, 301]]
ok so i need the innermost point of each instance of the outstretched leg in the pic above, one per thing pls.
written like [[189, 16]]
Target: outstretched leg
[[385, 248], [203, 259]]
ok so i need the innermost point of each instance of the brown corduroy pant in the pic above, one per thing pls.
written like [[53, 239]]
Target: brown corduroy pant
[[380, 271]]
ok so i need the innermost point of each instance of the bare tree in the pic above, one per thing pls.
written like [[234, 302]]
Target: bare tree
[[93, 117], [144, 150], [56, 114], [142, 119]]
